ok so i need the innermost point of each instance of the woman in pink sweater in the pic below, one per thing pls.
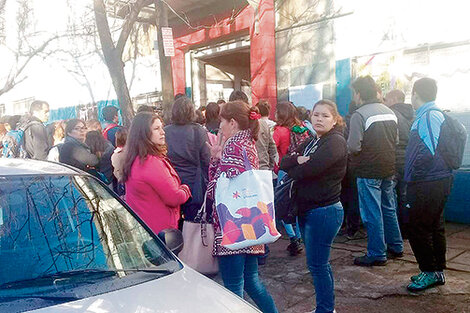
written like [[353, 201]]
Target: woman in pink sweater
[[153, 188]]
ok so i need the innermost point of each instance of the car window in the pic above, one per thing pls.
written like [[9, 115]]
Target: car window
[[51, 225]]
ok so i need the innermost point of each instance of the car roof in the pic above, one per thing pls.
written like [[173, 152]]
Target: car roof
[[13, 167]]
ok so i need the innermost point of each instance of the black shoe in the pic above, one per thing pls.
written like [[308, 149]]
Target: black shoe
[[394, 255], [368, 261], [295, 247]]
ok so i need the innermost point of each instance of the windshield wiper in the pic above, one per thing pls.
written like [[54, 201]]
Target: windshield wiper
[[52, 279], [63, 298], [49, 279], [146, 270]]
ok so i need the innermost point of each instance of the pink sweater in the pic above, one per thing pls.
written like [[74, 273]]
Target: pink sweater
[[154, 191]]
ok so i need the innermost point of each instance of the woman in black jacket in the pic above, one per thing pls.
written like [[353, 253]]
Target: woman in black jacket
[[74, 151], [318, 168], [189, 154]]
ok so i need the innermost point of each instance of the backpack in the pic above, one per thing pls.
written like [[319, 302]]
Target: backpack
[[453, 138], [284, 204], [284, 193], [107, 129], [13, 144]]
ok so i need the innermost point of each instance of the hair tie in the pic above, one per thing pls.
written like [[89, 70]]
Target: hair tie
[[254, 115]]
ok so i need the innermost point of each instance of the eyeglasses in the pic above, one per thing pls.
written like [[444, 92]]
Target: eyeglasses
[[80, 128]]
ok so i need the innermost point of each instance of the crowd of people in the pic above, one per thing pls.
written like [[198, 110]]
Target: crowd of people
[[380, 165]]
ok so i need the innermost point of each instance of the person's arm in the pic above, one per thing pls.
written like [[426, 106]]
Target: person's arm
[[83, 156], [204, 152], [422, 159], [157, 174], [281, 137], [321, 160], [429, 129], [356, 133], [38, 144]]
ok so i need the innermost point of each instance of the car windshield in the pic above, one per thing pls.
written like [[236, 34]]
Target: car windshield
[[60, 231]]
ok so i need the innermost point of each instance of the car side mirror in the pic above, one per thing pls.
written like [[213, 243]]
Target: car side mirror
[[173, 239]]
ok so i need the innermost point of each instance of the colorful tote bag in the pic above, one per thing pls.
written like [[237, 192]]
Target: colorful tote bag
[[245, 207]]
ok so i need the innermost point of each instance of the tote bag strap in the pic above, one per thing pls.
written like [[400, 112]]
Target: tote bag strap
[[246, 162], [201, 216]]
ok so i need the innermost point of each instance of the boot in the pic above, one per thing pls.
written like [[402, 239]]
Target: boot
[[295, 247]]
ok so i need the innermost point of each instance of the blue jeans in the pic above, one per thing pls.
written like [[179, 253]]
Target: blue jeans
[[378, 208], [241, 272], [291, 232], [319, 227]]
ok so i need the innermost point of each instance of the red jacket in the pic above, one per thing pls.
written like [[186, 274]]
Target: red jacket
[[154, 191], [281, 136]]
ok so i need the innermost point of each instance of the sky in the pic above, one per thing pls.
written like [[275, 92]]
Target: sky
[[51, 80]]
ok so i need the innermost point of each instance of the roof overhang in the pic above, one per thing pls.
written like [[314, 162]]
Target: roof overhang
[[180, 12]]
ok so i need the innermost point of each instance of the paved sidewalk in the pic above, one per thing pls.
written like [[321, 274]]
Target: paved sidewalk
[[376, 289]]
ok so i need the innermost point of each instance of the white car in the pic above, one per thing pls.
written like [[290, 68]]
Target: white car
[[68, 244]]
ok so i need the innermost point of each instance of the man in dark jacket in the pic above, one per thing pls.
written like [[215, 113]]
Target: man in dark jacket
[[371, 143], [349, 196], [429, 183], [395, 100], [36, 141]]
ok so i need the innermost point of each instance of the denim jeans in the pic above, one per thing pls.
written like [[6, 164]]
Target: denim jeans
[[319, 227], [241, 272], [292, 230], [378, 208]]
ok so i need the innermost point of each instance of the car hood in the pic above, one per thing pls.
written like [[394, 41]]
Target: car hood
[[185, 291]]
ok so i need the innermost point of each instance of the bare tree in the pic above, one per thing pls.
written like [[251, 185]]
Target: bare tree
[[29, 45], [113, 52], [2, 21]]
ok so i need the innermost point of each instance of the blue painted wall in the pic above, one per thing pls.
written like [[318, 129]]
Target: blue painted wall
[[343, 81]]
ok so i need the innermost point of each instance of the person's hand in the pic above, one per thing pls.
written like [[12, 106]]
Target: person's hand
[[302, 159], [217, 148]]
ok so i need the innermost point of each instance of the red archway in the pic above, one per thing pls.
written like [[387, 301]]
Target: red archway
[[262, 48]]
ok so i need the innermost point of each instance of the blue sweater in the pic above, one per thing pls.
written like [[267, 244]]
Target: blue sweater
[[423, 161]]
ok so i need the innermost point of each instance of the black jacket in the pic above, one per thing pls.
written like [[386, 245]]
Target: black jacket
[[372, 140], [189, 155], [318, 181], [405, 115], [77, 154], [36, 141]]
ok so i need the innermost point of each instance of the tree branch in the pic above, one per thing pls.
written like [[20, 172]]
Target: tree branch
[[129, 22]]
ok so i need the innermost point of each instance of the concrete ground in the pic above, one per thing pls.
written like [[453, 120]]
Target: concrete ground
[[375, 289]]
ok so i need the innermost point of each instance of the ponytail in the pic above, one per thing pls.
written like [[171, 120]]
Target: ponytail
[[247, 117], [253, 122]]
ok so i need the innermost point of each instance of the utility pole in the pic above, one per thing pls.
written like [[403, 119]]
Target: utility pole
[[165, 62]]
